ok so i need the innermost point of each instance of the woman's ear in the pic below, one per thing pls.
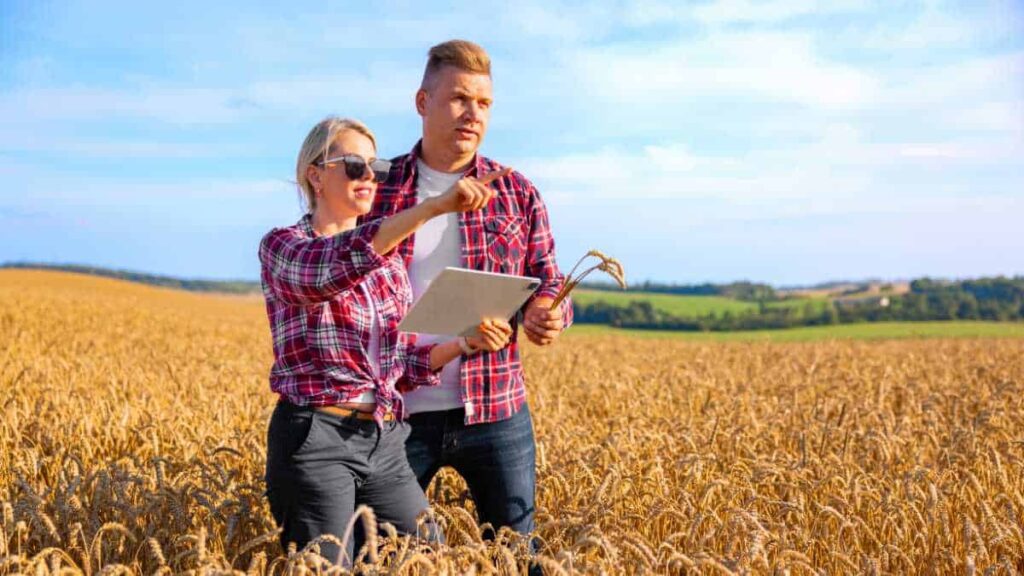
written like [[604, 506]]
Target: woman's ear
[[313, 175]]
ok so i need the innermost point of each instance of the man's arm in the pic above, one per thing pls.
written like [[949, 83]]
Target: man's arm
[[541, 324]]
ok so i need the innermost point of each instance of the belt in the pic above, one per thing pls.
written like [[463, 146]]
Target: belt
[[350, 412]]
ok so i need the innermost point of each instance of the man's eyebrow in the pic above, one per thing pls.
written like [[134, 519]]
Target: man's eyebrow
[[462, 92]]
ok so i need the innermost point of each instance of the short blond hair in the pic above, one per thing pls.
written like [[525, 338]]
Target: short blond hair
[[461, 54], [316, 147]]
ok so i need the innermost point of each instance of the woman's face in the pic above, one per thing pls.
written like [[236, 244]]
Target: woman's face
[[341, 196]]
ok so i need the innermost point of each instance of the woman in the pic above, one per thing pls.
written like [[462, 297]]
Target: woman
[[334, 299]]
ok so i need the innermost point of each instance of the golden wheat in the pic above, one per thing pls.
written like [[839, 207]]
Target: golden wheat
[[608, 265], [134, 422]]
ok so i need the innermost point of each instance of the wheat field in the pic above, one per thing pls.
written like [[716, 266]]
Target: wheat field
[[134, 421]]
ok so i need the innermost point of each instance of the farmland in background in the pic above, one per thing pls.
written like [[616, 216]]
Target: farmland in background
[[691, 306], [862, 331], [679, 305], [134, 422]]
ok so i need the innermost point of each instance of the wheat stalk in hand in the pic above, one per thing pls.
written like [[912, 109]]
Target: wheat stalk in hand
[[608, 265]]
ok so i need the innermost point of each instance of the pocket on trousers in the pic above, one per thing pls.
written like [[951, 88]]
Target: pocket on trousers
[[307, 440], [290, 433], [401, 430]]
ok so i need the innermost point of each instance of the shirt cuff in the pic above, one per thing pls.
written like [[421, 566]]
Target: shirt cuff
[[567, 313], [547, 290], [417, 367]]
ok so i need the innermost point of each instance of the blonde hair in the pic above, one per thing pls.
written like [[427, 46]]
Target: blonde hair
[[316, 147], [461, 54]]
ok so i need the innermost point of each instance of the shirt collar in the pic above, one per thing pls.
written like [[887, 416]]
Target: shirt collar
[[306, 225]]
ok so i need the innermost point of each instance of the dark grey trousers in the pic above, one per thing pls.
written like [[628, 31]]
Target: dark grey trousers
[[320, 467]]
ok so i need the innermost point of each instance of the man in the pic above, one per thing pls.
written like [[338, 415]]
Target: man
[[477, 420]]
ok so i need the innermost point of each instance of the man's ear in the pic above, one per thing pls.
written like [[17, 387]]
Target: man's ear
[[421, 102]]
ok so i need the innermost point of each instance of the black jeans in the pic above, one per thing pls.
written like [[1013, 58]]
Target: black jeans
[[497, 460], [320, 467]]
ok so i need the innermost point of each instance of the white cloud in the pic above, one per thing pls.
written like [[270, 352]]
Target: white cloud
[[671, 159], [655, 172], [66, 148], [979, 99], [182, 198], [966, 82], [992, 117], [591, 20], [934, 26], [168, 104], [840, 172], [559, 23], [733, 67], [931, 151], [676, 115], [386, 89], [769, 12]]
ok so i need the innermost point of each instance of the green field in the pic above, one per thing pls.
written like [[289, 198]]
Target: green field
[[818, 304], [677, 305], [862, 331], [683, 306]]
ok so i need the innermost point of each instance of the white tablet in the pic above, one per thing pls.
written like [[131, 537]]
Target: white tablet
[[458, 299]]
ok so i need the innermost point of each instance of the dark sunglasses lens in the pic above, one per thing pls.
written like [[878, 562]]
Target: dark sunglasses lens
[[355, 168], [380, 168]]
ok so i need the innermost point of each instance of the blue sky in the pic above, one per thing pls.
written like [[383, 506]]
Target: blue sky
[[790, 142]]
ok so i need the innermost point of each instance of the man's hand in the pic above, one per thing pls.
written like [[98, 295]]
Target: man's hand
[[541, 324]]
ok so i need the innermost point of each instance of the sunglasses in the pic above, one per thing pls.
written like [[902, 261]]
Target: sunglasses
[[356, 166]]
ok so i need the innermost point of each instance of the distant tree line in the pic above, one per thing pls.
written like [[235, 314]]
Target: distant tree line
[[743, 290], [995, 299], [992, 299], [226, 286]]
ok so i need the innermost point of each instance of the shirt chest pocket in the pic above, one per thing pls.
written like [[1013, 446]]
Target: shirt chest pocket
[[505, 238], [393, 296]]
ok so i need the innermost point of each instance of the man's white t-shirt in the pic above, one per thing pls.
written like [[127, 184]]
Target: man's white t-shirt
[[437, 245]]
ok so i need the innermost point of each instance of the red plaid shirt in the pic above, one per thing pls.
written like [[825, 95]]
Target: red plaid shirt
[[319, 291], [512, 236]]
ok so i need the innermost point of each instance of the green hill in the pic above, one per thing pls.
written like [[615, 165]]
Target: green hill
[[860, 331], [686, 306], [675, 304]]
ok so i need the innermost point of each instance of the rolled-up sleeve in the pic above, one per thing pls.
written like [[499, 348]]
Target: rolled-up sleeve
[[540, 255], [301, 270], [416, 362]]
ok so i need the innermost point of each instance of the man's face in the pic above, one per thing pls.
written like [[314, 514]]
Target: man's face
[[455, 106]]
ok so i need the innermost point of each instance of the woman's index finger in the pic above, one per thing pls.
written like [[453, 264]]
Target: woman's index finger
[[492, 176]]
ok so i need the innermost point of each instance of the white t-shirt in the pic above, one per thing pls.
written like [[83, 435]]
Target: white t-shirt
[[438, 244]]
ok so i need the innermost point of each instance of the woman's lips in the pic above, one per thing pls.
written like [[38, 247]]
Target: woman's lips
[[363, 193]]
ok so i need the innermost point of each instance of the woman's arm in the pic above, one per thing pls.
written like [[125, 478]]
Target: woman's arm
[[491, 336], [301, 270], [465, 195], [309, 270], [423, 363]]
